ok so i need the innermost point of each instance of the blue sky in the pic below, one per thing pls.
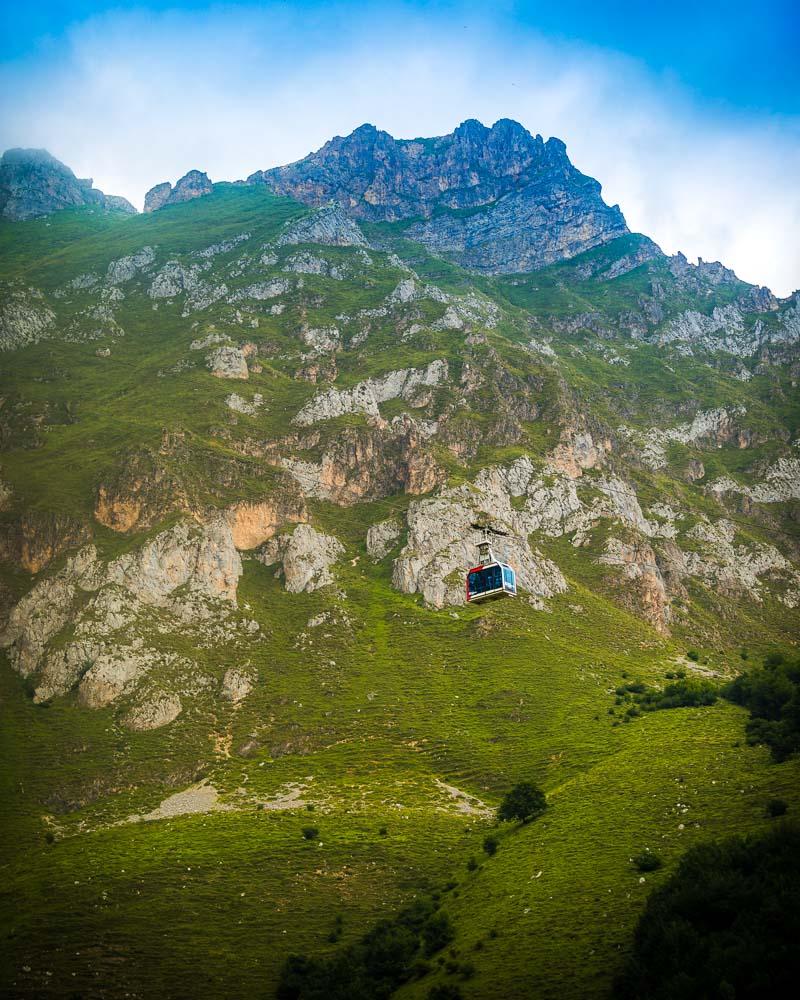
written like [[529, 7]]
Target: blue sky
[[688, 113]]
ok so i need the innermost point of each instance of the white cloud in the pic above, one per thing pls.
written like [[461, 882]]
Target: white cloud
[[132, 99]]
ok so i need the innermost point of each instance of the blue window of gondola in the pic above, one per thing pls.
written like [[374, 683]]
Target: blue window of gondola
[[483, 580], [508, 577]]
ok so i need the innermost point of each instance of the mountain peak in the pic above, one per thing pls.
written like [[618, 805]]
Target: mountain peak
[[34, 183], [193, 184], [536, 207]]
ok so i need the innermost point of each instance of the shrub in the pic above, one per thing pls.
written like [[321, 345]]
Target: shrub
[[772, 694], [377, 965], [310, 832], [647, 862], [723, 925], [383, 832], [50, 837], [472, 865], [776, 807], [679, 694], [490, 845], [524, 802], [693, 655]]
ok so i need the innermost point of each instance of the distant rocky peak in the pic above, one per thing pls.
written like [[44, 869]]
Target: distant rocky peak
[[193, 184], [34, 183], [527, 205]]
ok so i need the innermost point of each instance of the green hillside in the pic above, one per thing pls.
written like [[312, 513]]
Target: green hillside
[[388, 724]]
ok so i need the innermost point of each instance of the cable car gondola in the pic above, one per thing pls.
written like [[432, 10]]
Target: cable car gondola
[[490, 578]]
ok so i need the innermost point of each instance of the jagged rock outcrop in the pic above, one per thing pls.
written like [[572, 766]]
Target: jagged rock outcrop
[[382, 537], [306, 556], [25, 317], [365, 396], [781, 483], [175, 279], [34, 183], [227, 362], [237, 684], [157, 196], [578, 451], [239, 404], [732, 566], [190, 572], [529, 206], [194, 184], [126, 268], [730, 329], [708, 427], [639, 564], [329, 226]]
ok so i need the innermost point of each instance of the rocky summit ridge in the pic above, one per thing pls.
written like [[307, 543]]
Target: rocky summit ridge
[[493, 199]]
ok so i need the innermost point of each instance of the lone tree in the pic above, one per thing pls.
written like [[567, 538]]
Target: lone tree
[[524, 802]]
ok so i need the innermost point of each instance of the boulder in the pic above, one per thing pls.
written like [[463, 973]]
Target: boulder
[[306, 556]]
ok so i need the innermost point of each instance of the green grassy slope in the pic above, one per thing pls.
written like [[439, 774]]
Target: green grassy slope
[[373, 710]]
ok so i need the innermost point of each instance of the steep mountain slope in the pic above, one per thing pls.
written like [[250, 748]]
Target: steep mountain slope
[[243, 442]]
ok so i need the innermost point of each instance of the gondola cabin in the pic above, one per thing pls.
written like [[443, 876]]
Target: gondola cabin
[[491, 578]]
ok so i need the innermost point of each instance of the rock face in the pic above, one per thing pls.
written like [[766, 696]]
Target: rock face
[[367, 463], [227, 362], [527, 205], [709, 427], [329, 226], [34, 183], [24, 317], [306, 555], [189, 573], [195, 184], [365, 397], [236, 684], [381, 538], [154, 713], [38, 538], [252, 524]]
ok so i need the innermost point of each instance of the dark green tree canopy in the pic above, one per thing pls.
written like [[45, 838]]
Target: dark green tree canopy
[[524, 802], [726, 925]]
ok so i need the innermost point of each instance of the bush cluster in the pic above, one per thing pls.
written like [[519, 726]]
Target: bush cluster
[[683, 692], [392, 953], [726, 924], [772, 694]]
